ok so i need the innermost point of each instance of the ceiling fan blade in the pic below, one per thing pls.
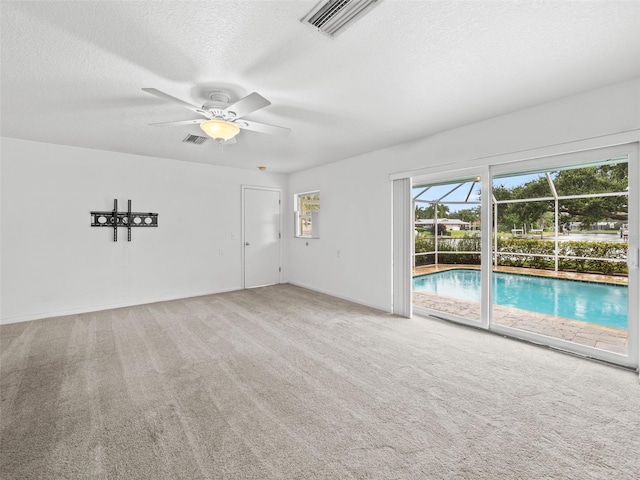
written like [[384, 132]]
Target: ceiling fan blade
[[252, 102], [166, 96], [264, 128], [183, 122]]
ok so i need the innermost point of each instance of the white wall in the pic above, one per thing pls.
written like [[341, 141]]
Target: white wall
[[356, 193], [355, 212], [54, 263]]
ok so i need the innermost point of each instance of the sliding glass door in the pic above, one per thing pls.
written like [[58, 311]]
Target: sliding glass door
[[545, 250], [562, 230], [447, 259]]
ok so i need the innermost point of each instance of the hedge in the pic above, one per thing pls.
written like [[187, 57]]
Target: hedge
[[617, 251]]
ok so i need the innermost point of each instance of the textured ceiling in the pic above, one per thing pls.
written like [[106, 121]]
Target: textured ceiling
[[72, 71]]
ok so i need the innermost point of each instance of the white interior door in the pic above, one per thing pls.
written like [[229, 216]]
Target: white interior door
[[261, 236]]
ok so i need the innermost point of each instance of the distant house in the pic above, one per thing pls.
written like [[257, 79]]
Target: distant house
[[593, 226], [450, 223]]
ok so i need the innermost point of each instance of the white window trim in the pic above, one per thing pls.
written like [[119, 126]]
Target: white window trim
[[296, 213]]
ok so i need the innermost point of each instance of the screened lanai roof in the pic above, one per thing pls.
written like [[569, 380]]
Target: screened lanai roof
[[453, 193], [468, 191]]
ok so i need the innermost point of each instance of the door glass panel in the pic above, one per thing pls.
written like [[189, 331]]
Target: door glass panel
[[447, 256], [559, 254]]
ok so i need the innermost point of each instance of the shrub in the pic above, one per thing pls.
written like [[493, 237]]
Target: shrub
[[537, 253], [614, 251]]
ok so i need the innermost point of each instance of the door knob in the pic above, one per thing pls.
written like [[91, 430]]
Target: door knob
[[246, 243]]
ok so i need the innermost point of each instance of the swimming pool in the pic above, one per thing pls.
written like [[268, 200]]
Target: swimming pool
[[600, 303]]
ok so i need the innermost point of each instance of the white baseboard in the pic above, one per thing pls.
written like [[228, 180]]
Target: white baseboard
[[98, 308], [343, 297]]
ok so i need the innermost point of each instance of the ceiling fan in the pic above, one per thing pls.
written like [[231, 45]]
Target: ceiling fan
[[223, 121]]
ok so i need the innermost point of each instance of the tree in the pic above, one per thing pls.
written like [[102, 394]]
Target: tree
[[429, 211], [442, 230], [578, 181], [421, 212], [525, 213], [600, 179], [506, 214], [467, 215]]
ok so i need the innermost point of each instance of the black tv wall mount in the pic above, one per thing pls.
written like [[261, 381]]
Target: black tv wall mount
[[128, 219]]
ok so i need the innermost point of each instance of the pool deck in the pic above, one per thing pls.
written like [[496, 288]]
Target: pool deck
[[598, 336], [584, 277]]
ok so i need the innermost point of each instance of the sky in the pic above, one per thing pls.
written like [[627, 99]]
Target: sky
[[469, 191]]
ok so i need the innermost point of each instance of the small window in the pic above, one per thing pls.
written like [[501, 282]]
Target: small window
[[307, 213]]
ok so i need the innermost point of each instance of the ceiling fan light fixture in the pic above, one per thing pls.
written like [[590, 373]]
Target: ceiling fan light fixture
[[220, 130]]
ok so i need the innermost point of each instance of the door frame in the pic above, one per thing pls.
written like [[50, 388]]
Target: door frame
[[481, 172], [536, 159], [244, 188]]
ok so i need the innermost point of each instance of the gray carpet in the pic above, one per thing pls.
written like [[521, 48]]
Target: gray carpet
[[284, 383]]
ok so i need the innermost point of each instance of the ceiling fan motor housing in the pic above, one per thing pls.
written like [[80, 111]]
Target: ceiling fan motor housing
[[216, 106]]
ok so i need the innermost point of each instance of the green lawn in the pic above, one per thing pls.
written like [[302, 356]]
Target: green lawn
[[454, 233]]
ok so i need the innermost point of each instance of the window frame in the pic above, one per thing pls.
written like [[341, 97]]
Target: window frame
[[298, 215]]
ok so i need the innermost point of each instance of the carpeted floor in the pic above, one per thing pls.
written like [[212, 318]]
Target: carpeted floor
[[283, 383]]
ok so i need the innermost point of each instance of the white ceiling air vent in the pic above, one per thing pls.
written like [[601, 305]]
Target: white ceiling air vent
[[334, 16], [195, 139]]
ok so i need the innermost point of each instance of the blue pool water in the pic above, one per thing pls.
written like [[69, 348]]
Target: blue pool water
[[599, 303]]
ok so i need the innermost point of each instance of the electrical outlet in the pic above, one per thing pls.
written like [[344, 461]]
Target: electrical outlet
[[338, 253], [234, 236], [221, 251]]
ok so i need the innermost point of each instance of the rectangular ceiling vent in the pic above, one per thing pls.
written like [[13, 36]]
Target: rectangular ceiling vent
[[195, 139], [335, 16]]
